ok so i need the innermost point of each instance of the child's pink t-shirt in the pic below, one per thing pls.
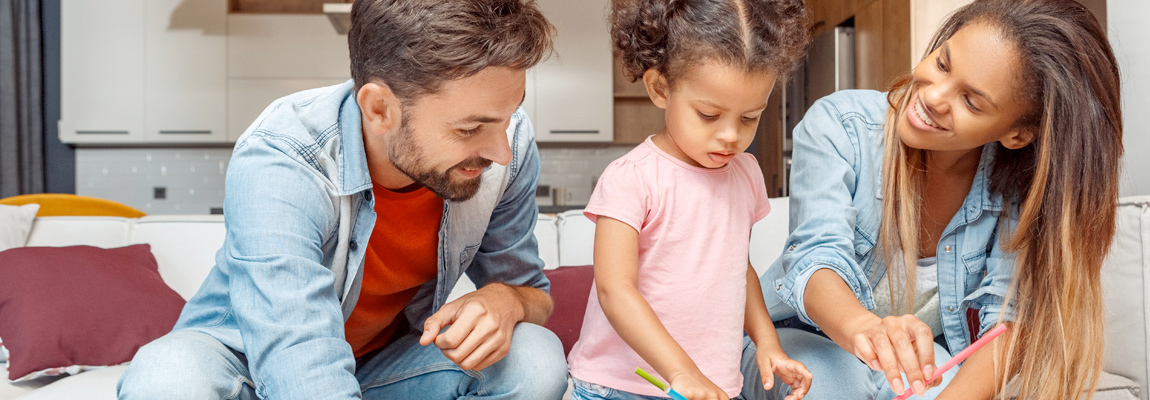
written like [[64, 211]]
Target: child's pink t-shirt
[[694, 229]]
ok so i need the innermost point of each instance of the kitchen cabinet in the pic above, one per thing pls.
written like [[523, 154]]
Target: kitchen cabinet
[[569, 95], [136, 71], [101, 71], [185, 71], [270, 56]]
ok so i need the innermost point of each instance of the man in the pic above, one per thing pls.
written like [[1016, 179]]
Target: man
[[353, 210]]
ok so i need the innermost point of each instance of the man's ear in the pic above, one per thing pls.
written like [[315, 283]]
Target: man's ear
[[657, 87], [1017, 138], [380, 108]]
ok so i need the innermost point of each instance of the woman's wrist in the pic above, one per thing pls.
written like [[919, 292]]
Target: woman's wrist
[[851, 327]]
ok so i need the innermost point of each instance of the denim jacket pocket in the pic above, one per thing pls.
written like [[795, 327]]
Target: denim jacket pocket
[[466, 256], [974, 263], [863, 242]]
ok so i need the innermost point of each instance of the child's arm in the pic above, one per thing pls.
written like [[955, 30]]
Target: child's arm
[[769, 355], [980, 372], [617, 284]]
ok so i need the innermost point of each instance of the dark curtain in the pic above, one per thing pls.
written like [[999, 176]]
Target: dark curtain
[[21, 98]]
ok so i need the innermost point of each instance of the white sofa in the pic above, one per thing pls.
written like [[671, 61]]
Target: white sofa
[[185, 246]]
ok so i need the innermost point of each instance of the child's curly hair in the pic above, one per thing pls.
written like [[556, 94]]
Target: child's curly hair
[[670, 35]]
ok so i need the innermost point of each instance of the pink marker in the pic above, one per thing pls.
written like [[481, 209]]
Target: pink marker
[[962, 355]]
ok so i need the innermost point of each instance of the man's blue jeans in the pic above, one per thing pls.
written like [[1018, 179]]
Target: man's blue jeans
[[192, 365]]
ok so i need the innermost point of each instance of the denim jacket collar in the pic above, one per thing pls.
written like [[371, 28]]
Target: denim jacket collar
[[353, 172]]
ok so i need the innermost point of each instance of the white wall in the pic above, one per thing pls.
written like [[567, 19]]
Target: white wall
[[1126, 20]]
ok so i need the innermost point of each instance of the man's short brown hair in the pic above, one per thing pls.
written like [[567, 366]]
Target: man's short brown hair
[[414, 46]]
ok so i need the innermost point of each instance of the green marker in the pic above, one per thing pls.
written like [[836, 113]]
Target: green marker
[[659, 384]]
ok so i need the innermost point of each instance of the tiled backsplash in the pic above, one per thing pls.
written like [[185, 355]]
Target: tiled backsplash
[[575, 170], [192, 179]]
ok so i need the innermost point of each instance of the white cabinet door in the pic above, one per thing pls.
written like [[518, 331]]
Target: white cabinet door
[[248, 97], [572, 90], [101, 70], [185, 77]]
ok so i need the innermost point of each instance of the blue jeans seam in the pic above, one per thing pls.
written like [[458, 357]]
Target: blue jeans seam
[[420, 371]]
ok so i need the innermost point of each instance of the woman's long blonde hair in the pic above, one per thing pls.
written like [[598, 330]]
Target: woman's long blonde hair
[[1065, 185]]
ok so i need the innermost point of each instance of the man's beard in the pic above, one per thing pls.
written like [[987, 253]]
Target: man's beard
[[407, 157]]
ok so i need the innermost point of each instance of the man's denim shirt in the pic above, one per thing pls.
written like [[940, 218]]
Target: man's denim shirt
[[299, 214], [835, 212]]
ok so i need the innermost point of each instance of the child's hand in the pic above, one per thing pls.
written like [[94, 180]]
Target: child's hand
[[697, 387], [792, 372]]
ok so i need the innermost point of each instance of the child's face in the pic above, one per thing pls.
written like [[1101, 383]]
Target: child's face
[[713, 111]]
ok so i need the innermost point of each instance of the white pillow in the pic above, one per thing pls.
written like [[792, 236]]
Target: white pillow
[[15, 224]]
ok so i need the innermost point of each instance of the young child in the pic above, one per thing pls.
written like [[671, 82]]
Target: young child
[[674, 289]]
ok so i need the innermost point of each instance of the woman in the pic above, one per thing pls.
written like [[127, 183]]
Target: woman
[[981, 190]]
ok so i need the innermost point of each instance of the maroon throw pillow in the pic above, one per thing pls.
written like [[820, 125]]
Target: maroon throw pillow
[[570, 287], [62, 308]]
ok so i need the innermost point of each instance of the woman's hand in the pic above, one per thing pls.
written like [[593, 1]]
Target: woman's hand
[[792, 372], [895, 344], [695, 386]]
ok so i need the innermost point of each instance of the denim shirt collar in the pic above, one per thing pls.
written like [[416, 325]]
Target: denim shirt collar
[[354, 175]]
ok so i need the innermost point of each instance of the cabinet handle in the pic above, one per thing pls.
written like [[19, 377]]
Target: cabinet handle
[[101, 132], [585, 132], [208, 132]]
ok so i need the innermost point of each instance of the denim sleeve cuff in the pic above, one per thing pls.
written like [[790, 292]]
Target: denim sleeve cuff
[[794, 295], [990, 303], [317, 369]]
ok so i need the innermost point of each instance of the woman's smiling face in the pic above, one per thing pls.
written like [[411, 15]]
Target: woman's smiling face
[[963, 94]]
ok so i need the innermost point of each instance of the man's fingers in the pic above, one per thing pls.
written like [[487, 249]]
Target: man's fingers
[[492, 354], [431, 329], [472, 343], [435, 323]]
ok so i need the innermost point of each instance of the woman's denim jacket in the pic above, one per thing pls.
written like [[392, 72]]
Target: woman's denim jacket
[[836, 209], [299, 214]]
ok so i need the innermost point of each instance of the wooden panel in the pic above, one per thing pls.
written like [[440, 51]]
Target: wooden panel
[[895, 40], [868, 47], [827, 14], [280, 6], [1098, 8], [622, 87], [770, 142], [635, 119]]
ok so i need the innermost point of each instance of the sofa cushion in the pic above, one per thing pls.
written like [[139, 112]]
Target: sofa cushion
[[570, 288], [72, 231], [99, 384], [63, 309], [576, 239], [185, 247], [1125, 289]]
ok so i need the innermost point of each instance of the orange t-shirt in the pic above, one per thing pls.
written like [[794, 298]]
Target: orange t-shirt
[[400, 257]]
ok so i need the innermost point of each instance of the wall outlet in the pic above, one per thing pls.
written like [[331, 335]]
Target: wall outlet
[[543, 191], [159, 193]]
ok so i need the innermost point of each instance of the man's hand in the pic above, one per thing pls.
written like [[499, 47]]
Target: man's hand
[[479, 326]]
